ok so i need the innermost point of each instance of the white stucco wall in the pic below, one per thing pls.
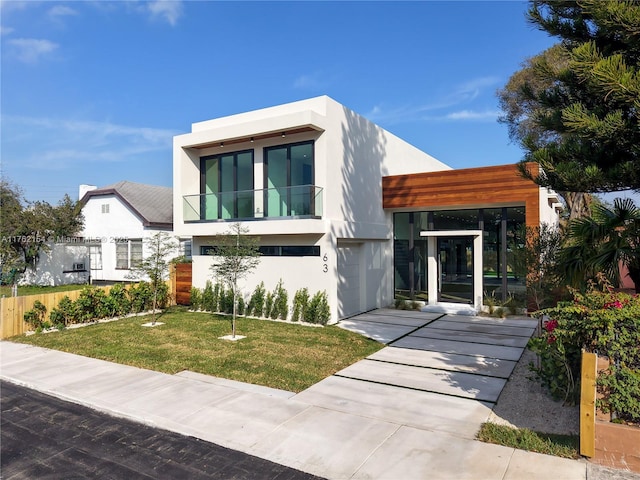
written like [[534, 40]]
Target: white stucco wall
[[55, 266]]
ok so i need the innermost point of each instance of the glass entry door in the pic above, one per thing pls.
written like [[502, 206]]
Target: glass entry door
[[455, 269]]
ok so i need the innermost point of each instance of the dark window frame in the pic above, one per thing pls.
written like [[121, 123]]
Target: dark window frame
[[203, 178]]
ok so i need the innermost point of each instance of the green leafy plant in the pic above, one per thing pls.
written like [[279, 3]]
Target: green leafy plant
[[208, 299], [65, 313], [36, 316], [268, 305], [141, 296], [318, 310], [195, 298], [120, 298], [300, 304], [256, 302], [280, 307], [599, 321]]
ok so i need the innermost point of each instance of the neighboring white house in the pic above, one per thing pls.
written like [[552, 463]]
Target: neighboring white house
[[117, 220]]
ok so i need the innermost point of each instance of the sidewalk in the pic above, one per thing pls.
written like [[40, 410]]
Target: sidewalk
[[272, 424]]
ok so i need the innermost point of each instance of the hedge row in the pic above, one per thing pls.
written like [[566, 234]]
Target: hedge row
[[94, 304], [263, 304]]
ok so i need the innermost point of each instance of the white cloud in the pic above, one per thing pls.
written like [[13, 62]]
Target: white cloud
[[464, 93], [55, 144], [473, 115], [5, 30], [169, 10], [60, 11], [30, 50]]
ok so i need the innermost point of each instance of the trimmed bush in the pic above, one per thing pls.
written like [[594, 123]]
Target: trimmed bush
[[318, 310], [195, 299], [300, 304], [36, 316], [280, 307], [256, 302]]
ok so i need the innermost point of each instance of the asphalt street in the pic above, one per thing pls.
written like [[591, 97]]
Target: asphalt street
[[44, 437]]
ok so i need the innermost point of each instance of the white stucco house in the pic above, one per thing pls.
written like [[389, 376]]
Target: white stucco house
[[338, 204], [118, 219]]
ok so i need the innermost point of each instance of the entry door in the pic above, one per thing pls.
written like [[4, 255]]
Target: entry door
[[455, 269], [348, 280]]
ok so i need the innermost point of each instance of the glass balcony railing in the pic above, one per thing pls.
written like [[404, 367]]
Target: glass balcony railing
[[301, 201]]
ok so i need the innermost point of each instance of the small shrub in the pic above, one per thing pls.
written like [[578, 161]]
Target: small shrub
[[35, 316], [300, 304], [318, 311], [162, 296], [65, 313], [226, 300], [208, 299], [268, 305], [120, 298], [91, 304], [217, 302], [400, 304], [195, 299], [256, 302], [280, 302], [140, 296]]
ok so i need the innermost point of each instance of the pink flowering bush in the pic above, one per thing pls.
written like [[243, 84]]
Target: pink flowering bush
[[599, 321]]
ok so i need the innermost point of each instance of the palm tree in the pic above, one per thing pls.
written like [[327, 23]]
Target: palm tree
[[601, 242]]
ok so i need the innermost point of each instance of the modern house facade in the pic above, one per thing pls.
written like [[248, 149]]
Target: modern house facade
[[315, 181], [117, 220]]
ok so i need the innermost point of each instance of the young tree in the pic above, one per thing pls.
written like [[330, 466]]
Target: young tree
[[26, 227], [574, 108], [155, 265], [236, 257]]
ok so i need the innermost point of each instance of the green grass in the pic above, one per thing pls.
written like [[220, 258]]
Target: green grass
[[36, 290], [566, 446], [275, 354]]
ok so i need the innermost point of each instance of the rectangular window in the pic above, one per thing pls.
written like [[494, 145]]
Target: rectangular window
[[95, 257], [128, 254], [289, 179], [105, 208], [274, 251], [226, 182]]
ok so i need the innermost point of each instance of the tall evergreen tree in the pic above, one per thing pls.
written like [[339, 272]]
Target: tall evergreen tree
[[575, 108]]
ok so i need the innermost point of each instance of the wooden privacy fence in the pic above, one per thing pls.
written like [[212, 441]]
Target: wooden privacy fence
[[604, 442], [12, 309], [181, 283]]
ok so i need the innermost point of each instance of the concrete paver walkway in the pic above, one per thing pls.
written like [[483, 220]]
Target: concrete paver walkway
[[389, 416]]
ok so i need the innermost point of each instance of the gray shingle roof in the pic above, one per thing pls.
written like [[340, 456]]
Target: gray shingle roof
[[153, 204]]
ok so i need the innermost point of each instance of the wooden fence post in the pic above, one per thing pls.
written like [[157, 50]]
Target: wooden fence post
[[588, 404]]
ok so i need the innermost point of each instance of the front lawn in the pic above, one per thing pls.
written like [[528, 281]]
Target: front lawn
[[275, 354]]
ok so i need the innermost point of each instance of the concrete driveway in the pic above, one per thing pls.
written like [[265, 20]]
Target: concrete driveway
[[438, 372]]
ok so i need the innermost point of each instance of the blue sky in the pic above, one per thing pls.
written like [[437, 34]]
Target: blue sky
[[93, 91]]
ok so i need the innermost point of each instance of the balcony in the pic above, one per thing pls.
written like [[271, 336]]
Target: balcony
[[301, 201]]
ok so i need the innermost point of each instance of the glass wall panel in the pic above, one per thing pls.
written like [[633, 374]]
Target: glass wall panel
[[245, 186], [401, 254], [289, 180], [301, 174], [455, 219], [420, 223], [227, 187], [516, 267], [211, 185], [276, 201], [491, 254], [222, 176]]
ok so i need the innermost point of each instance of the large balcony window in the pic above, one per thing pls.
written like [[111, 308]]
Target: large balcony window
[[225, 184], [288, 170]]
